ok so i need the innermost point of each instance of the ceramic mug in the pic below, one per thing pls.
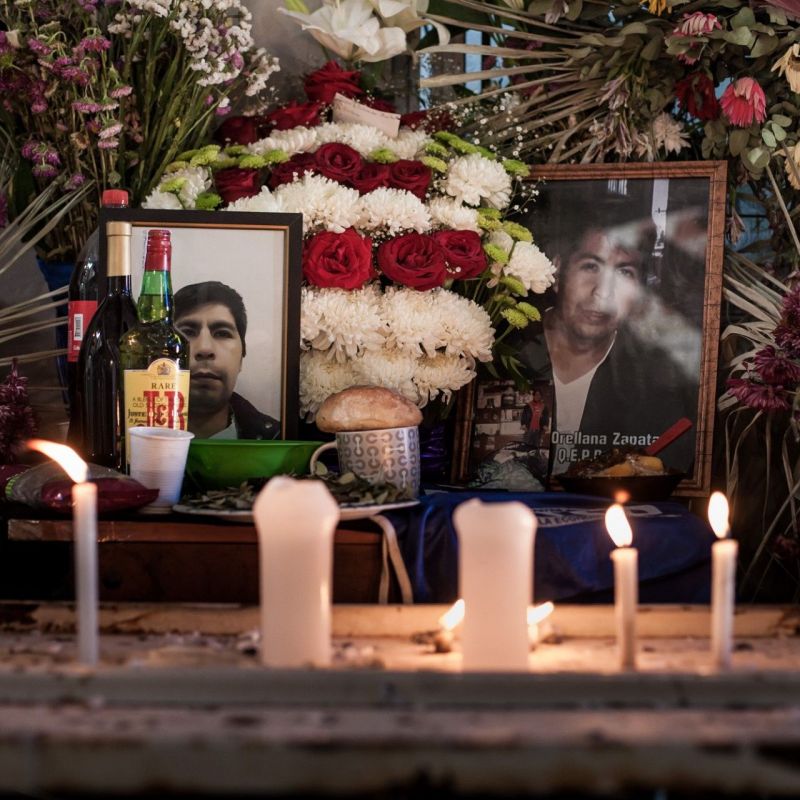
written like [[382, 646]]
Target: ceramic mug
[[387, 455]]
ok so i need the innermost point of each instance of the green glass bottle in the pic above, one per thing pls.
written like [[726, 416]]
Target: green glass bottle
[[153, 355]]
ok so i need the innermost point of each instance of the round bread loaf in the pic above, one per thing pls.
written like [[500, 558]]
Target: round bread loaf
[[366, 408]]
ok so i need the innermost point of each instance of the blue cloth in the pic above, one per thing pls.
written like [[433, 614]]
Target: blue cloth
[[572, 552]]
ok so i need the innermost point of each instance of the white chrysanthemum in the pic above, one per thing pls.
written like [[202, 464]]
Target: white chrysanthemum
[[412, 321], [195, 180], [295, 140], [447, 213], [473, 178], [392, 211], [468, 330], [162, 200], [669, 133], [502, 240], [321, 377], [341, 323], [443, 375], [324, 204], [263, 201], [363, 138], [532, 267], [390, 369], [409, 142]]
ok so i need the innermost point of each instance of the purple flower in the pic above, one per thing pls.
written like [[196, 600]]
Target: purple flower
[[108, 144], [110, 131], [43, 170], [775, 367], [760, 396], [85, 107], [29, 149], [38, 105], [75, 181], [94, 44], [39, 47], [787, 337], [121, 91], [75, 75]]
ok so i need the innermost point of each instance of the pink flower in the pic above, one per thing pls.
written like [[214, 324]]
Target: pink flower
[[744, 102], [758, 395], [697, 24], [775, 367]]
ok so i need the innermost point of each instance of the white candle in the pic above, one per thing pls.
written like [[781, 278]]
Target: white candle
[[723, 585], [495, 554], [626, 584], [295, 520], [84, 536]]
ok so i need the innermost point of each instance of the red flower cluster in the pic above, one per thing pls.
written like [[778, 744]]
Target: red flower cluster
[[695, 94], [419, 261]]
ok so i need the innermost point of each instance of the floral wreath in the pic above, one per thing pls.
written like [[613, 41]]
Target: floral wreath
[[412, 273]]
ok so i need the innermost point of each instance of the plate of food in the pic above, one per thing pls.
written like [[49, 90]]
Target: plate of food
[[622, 474]]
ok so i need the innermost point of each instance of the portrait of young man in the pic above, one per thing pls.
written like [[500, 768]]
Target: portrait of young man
[[212, 316], [620, 345]]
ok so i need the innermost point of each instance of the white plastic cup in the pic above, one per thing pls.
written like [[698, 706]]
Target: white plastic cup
[[158, 461]]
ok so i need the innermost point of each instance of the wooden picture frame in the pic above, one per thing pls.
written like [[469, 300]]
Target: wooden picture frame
[[681, 205], [258, 255]]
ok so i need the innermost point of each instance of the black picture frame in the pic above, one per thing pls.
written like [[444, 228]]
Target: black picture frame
[[259, 255], [574, 185]]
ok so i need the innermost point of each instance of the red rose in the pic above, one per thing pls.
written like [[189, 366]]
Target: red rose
[[372, 176], [430, 121], [697, 96], [322, 85], [294, 114], [379, 104], [413, 260], [289, 171], [463, 252], [339, 162], [238, 130], [235, 183], [413, 176], [338, 260]]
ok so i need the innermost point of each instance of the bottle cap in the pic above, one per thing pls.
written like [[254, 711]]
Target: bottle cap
[[114, 197], [118, 228]]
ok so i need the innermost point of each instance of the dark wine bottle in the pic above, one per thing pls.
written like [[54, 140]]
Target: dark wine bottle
[[87, 287], [98, 390], [154, 356]]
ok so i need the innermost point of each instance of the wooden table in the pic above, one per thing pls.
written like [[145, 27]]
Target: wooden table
[[177, 559], [181, 704]]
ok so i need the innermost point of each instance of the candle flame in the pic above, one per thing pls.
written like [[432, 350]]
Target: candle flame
[[537, 614], [453, 615], [617, 526], [718, 514], [64, 456], [622, 497]]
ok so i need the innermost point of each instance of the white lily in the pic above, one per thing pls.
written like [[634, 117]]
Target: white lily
[[409, 15], [350, 29]]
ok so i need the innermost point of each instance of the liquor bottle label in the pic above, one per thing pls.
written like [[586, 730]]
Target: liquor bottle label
[[80, 313], [156, 397]]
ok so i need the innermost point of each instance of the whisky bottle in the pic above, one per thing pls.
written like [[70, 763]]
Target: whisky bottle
[[98, 389], [154, 356]]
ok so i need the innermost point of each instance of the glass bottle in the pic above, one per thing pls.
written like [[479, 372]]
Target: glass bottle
[[154, 356], [86, 289], [98, 386]]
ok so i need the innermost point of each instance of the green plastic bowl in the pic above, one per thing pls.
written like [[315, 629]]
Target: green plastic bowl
[[219, 463]]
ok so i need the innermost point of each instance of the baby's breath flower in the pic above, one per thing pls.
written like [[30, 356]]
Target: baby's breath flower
[[495, 253], [515, 318], [517, 231]]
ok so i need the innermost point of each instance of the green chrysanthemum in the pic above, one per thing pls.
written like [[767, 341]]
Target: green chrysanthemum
[[495, 253], [208, 201], [486, 152], [517, 231], [251, 161], [234, 150], [383, 155], [173, 185], [437, 150], [175, 166], [187, 155], [489, 224], [436, 164], [224, 162], [514, 284], [515, 318], [274, 157], [490, 213], [516, 168], [204, 156], [531, 312]]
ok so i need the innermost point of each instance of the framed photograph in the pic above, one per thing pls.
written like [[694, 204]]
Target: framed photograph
[[627, 344], [236, 284]]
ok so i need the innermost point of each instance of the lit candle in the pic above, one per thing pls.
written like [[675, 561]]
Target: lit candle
[[495, 554], [536, 615], [84, 534], [295, 520], [626, 584], [723, 588], [443, 639]]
